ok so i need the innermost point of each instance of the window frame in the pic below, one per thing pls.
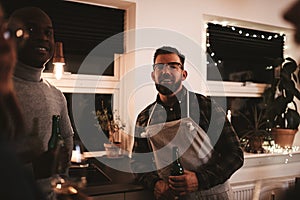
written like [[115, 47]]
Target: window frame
[[241, 89]]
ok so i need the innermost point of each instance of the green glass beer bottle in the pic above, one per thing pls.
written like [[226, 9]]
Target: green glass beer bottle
[[56, 145], [52, 144], [177, 168]]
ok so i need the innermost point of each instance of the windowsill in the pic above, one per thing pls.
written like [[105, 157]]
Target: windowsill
[[267, 166], [252, 160], [81, 83], [235, 89]]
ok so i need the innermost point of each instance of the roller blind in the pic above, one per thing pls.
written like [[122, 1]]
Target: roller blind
[[81, 27], [243, 52]]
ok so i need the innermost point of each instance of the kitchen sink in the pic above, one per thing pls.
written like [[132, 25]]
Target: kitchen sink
[[93, 175]]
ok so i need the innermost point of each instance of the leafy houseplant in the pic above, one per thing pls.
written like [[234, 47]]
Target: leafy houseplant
[[109, 122], [255, 133], [281, 109]]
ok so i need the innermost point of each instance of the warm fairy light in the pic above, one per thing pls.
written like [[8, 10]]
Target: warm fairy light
[[224, 23], [72, 190], [275, 148], [267, 36], [58, 186]]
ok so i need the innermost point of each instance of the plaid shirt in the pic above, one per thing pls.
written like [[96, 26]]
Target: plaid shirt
[[227, 156]]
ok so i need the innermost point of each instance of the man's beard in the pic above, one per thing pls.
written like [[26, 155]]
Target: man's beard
[[167, 90]]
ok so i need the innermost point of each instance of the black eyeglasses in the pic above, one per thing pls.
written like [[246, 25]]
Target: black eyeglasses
[[174, 66]]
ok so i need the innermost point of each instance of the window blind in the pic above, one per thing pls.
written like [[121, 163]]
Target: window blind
[[241, 54], [81, 27]]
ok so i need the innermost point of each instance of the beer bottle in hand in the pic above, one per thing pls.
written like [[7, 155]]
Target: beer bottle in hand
[[56, 145], [177, 168]]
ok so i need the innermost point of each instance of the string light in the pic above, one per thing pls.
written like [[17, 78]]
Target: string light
[[241, 32], [263, 35], [247, 34]]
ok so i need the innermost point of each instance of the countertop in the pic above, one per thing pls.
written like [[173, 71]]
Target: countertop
[[256, 166], [116, 170]]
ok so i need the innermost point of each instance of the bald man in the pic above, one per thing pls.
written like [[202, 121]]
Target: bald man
[[34, 37]]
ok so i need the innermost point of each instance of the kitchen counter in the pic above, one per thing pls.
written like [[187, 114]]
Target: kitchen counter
[[114, 179], [258, 168]]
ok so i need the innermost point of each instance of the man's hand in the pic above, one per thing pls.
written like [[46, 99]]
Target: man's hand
[[184, 184], [163, 192]]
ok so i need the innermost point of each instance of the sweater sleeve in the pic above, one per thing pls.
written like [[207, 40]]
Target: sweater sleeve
[[66, 128]]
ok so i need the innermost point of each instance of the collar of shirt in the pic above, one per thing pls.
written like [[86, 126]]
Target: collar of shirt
[[164, 113]]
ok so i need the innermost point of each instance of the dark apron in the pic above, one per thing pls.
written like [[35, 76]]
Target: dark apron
[[194, 148]]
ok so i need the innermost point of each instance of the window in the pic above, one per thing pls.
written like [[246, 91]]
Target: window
[[83, 109], [239, 106], [241, 54], [81, 27]]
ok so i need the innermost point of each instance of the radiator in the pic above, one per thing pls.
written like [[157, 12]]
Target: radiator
[[243, 192], [262, 190]]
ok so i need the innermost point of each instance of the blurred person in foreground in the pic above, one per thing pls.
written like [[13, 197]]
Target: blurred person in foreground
[[208, 145], [39, 99], [292, 15], [16, 184]]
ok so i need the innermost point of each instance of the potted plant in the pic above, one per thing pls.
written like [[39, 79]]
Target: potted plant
[[255, 132], [281, 109]]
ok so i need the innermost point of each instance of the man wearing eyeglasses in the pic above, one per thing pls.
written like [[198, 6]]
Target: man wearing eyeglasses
[[209, 148]]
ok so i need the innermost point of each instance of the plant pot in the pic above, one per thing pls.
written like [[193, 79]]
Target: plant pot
[[284, 137], [254, 145]]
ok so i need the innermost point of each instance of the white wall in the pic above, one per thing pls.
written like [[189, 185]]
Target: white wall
[[182, 24], [179, 23]]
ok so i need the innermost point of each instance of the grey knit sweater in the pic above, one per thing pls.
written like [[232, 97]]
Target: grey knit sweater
[[39, 99]]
